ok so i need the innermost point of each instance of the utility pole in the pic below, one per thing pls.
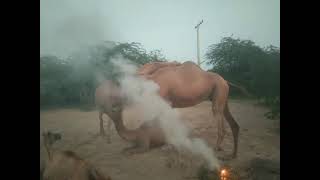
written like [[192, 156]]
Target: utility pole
[[198, 48]]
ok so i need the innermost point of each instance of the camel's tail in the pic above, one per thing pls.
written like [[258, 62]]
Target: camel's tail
[[242, 89]]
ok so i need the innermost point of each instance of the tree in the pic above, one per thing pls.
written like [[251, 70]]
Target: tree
[[53, 79], [73, 80], [243, 62]]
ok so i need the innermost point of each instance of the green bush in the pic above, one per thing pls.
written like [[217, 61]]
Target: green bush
[[257, 69]]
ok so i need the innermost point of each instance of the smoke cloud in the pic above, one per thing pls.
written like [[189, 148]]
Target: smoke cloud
[[144, 93], [68, 26]]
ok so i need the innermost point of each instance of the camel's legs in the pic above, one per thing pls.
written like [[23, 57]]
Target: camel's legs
[[140, 147], [217, 110], [234, 128], [124, 150], [221, 130], [219, 99], [136, 150], [109, 123], [177, 157], [102, 132]]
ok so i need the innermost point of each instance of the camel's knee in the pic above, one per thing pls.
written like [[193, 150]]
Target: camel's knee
[[109, 127], [100, 118], [220, 138], [223, 133], [108, 139], [235, 128], [102, 132]]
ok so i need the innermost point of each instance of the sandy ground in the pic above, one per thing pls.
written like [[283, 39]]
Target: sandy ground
[[79, 128]]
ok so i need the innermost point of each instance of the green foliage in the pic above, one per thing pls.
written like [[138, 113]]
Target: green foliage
[[72, 81], [53, 80], [274, 105], [255, 68]]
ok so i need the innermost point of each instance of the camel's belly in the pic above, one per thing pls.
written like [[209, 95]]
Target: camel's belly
[[185, 90], [189, 96], [182, 102]]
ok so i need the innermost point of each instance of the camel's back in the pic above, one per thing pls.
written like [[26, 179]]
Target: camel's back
[[196, 79], [150, 68], [190, 72], [187, 73], [184, 85]]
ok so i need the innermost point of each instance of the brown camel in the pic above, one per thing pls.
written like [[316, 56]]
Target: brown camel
[[181, 85], [66, 164]]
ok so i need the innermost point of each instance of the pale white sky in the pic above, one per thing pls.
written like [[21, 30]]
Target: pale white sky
[[168, 25]]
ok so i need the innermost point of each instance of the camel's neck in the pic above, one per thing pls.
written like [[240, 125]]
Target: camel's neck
[[123, 132]]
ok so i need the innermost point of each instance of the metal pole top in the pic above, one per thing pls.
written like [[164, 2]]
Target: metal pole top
[[197, 26]]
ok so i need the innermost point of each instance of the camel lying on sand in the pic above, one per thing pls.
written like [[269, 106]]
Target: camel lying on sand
[[181, 85], [148, 135], [66, 164]]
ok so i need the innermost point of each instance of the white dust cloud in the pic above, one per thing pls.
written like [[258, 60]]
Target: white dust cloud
[[144, 93]]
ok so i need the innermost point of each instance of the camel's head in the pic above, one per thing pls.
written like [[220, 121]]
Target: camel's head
[[114, 109], [109, 96], [51, 137]]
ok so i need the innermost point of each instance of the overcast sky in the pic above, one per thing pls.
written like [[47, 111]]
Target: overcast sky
[[168, 25]]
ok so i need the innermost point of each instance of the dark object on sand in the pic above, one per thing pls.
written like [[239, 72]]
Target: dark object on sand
[[204, 173], [264, 169]]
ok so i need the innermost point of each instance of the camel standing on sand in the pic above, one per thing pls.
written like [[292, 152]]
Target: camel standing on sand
[[181, 85], [66, 164]]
